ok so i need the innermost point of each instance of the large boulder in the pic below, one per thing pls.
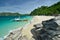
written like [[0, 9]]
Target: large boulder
[[49, 30], [50, 24]]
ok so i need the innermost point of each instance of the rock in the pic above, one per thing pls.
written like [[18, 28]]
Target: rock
[[50, 24], [37, 26], [49, 30], [23, 38], [57, 20], [43, 35]]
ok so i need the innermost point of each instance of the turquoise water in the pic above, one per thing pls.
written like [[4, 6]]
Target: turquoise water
[[7, 24]]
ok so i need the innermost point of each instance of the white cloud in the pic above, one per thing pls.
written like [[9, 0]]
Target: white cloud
[[26, 7]]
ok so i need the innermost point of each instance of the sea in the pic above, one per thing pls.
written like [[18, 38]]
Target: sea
[[7, 23]]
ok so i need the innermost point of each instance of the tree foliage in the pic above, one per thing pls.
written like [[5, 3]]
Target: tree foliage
[[45, 10]]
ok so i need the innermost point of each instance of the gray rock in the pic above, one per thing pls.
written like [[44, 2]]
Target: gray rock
[[50, 24], [37, 26], [49, 31]]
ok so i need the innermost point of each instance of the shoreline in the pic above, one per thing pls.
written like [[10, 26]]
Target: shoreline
[[17, 29], [26, 30]]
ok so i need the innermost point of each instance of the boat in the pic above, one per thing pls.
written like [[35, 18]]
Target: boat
[[18, 19]]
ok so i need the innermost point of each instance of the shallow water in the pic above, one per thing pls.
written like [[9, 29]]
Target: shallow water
[[7, 23]]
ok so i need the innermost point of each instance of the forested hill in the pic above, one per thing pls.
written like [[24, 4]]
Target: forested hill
[[45, 10], [9, 14], [12, 14]]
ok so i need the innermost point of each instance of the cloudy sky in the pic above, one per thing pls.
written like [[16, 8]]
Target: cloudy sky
[[23, 6]]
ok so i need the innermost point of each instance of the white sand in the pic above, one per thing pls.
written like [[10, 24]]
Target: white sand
[[35, 20], [26, 31]]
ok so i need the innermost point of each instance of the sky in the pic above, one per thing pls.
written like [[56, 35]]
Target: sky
[[23, 6]]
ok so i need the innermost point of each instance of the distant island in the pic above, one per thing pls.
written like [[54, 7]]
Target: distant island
[[11, 14], [43, 10]]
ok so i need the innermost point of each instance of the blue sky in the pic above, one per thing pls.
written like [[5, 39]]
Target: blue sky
[[23, 6]]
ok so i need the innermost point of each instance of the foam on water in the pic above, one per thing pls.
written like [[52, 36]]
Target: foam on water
[[6, 24]]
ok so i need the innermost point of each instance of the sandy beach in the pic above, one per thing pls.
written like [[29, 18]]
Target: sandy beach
[[26, 31], [35, 20]]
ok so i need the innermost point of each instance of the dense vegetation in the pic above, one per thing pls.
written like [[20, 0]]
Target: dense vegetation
[[45, 10], [9, 14], [12, 14]]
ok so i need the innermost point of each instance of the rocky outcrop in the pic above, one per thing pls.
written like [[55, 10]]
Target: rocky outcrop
[[40, 31], [50, 30], [16, 35]]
